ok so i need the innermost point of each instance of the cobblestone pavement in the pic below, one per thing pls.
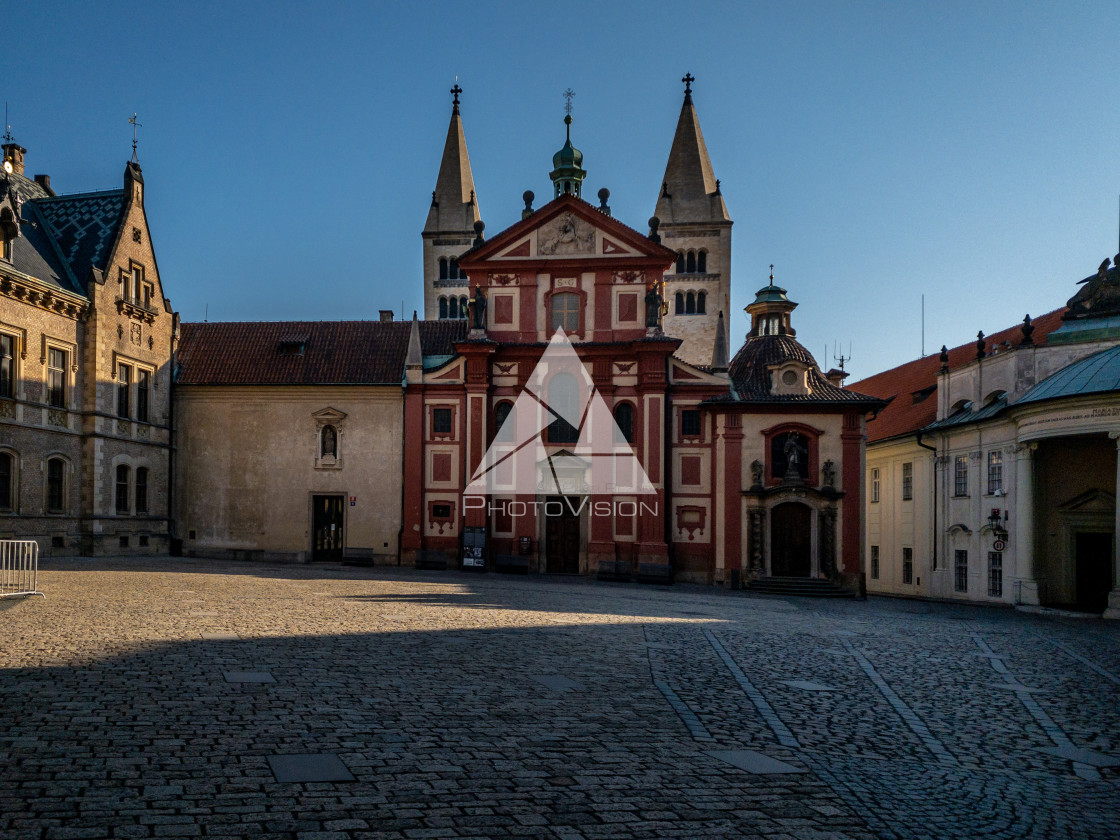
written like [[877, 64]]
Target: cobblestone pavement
[[500, 707]]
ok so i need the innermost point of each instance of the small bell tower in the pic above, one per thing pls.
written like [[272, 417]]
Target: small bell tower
[[567, 175]]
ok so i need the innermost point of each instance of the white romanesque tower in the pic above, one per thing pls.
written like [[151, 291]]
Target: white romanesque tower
[[449, 230], [695, 224]]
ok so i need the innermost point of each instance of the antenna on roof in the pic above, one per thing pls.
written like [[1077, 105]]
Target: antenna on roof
[[206, 316], [841, 358], [923, 326]]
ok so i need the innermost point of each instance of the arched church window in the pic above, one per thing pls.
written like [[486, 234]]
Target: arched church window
[[680, 262], [443, 268], [442, 308], [453, 269], [502, 423], [624, 419], [679, 305], [690, 304], [701, 303], [56, 485], [565, 312], [328, 442], [462, 307], [690, 263], [702, 262], [563, 398]]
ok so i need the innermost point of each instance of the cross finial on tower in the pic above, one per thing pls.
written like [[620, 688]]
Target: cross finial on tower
[[132, 121], [568, 94], [455, 91], [688, 80], [771, 274]]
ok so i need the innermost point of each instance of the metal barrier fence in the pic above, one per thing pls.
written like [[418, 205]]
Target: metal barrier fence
[[19, 568]]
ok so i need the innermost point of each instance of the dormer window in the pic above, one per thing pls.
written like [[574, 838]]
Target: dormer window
[[789, 379], [292, 346]]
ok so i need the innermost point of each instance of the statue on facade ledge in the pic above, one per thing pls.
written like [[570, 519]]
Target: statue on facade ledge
[[653, 307], [1100, 295], [477, 308]]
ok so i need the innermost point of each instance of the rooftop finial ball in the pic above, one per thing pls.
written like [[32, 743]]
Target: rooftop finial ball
[[604, 194], [527, 196], [479, 226]]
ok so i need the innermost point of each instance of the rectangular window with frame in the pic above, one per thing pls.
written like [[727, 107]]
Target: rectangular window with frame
[[7, 472], [875, 484], [142, 490], [124, 392], [143, 386], [907, 481], [995, 574], [56, 486], [907, 565], [960, 570], [137, 283], [441, 421], [122, 490], [960, 475], [7, 365], [874, 562], [995, 472], [56, 377], [690, 422]]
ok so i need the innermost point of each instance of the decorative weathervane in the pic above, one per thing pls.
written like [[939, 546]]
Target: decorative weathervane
[[568, 94], [132, 121], [8, 126], [771, 274]]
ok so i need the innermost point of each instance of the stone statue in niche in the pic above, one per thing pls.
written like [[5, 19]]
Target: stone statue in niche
[[756, 473], [478, 309], [566, 235], [653, 307], [828, 474], [795, 453], [330, 442]]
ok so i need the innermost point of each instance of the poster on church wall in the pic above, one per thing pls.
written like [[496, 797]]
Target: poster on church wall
[[474, 548]]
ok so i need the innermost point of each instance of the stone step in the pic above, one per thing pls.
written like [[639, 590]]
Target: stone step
[[806, 587]]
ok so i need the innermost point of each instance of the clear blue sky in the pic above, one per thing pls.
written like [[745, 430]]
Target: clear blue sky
[[871, 151]]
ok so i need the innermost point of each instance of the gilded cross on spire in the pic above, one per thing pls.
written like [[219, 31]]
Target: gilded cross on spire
[[568, 94], [688, 80], [771, 274], [455, 91], [132, 121]]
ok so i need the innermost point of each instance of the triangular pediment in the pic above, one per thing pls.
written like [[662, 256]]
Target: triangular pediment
[[564, 229], [1094, 501], [327, 415]]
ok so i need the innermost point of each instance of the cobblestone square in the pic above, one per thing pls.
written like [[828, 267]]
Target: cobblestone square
[[490, 706]]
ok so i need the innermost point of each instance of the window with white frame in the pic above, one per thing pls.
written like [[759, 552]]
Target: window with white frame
[[7, 365], [124, 390], [995, 472], [960, 570], [907, 481], [995, 574], [875, 484], [907, 565], [56, 377], [960, 475]]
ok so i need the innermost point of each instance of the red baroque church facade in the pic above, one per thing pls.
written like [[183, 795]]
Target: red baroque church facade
[[755, 464]]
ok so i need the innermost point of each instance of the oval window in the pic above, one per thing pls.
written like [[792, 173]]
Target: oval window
[[789, 377]]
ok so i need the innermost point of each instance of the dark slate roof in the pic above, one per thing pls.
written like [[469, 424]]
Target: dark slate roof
[[336, 352], [1096, 374], [911, 389], [968, 414], [750, 378], [84, 227], [33, 252]]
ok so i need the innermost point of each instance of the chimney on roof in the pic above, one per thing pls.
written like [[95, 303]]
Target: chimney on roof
[[13, 154], [837, 377], [44, 181], [386, 315]]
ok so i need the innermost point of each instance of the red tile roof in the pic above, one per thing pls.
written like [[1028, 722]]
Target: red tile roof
[[335, 352], [903, 385]]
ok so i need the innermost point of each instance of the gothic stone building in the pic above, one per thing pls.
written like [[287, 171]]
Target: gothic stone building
[[359, 440], [85, 379]]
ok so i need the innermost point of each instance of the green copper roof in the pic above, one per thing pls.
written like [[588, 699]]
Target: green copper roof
[[771, 293], [1096, 374]]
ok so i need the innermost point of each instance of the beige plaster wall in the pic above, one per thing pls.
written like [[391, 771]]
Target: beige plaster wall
[[246, 469]]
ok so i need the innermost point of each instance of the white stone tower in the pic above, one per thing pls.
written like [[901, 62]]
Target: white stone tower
[[449, 230], [695, 224]]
